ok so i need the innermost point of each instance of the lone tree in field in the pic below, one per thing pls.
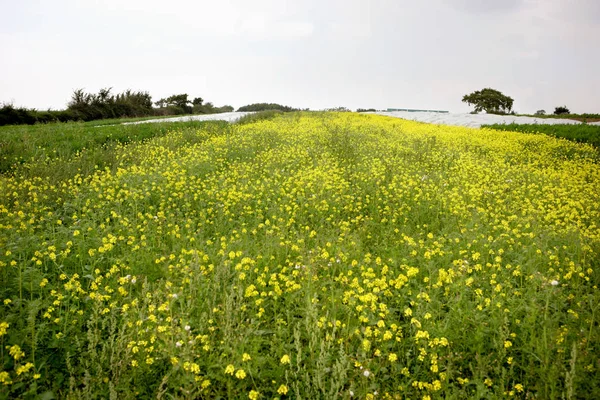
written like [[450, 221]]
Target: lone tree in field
[[489, 100], [561, 110]]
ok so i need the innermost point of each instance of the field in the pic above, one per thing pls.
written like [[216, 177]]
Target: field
[[577, 117], [582, 133], [311, 255], [79, 145]]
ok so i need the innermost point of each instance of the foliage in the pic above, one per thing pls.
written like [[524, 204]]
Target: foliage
[[41, 145], [490, 101], [338, 109], [309, 256], [258, 116], [89, 106], [360, 110], [85, 106], [540, 112], [179, 103], [266, 107], [586, 117], [576, 132], [561, 110]]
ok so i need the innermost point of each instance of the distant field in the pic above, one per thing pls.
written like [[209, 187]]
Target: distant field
[[582, 133], [90, 143], [577, 117], [298, 255]]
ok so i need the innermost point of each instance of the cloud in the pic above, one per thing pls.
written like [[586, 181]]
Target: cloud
[[487, 6], [259, 26]]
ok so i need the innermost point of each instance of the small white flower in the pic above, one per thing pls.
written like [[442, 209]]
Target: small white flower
[[375, 393], [351, 393], [554, 283], [134, 280], [174, 295], [366, 373], [187, 328], [178, 344]]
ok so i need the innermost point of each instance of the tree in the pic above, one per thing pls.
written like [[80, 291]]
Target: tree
[[178, 100], [561, 110], [197, 101], [489, 100], [540, 112]]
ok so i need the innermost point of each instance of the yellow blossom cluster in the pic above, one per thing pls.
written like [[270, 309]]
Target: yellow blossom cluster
[[313, 255]]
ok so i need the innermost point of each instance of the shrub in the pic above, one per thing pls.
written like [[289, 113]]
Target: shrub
[[266, 106]]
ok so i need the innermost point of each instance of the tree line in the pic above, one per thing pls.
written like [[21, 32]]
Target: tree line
[[84, 106], [493, 101]]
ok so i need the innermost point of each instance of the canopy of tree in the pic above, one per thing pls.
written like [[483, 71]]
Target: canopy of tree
[[489, 100], [85, 106], [561, 110], [265, 107]]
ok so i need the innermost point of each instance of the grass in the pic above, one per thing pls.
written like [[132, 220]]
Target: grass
[[40, 145], [313, 255], [258, 116], [577, 117], [582, 133]]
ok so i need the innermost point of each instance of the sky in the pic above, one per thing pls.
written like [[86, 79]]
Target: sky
[[313, 54]]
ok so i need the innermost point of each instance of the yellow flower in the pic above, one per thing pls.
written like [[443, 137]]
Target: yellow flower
[[392, 357], [3, 328], [283, 389], [23, 369], [246, 357], [519, 388], [253, 395], [229, 369], [240, 374], [507, 344], [16, 352], [5, 378], [285, 359]]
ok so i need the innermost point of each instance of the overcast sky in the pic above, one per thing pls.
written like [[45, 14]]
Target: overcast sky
[[310, 53]]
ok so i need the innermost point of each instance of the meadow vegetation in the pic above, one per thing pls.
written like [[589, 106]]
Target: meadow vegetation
[[72, 144], [577, 117], [582, 133], [308, 255]]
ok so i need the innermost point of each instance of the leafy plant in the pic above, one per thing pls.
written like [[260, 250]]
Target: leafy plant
[[489, 100]]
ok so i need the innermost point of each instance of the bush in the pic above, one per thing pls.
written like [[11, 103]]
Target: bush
[[561, 110], [266, 107], [259, 116]]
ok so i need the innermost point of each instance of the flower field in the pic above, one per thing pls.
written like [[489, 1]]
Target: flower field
[[314, 255]]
